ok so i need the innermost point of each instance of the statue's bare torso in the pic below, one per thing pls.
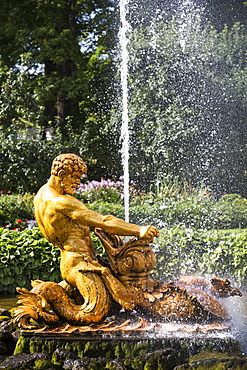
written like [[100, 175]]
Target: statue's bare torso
[[58, 223], [54, 213]]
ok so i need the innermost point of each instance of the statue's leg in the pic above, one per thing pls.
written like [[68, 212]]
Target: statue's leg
[[97, 300], [48, 302], [80, 271], [118, 291]]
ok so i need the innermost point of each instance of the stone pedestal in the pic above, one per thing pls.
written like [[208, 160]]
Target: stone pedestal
[[121, 346], [152, 349]]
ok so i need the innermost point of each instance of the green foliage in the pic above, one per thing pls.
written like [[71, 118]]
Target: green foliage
[[25, 160], [67, 51], [55, 71], [191, 211], [170, 204], [232, 210], [181, 250], [185, 206], [106, 208], [18, 101], [187, 104], [26, 256], [14, 207]]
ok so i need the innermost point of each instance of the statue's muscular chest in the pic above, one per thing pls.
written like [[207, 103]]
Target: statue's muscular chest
[[58, 226]]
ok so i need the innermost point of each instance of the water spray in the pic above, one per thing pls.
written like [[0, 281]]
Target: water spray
[[124, 83]]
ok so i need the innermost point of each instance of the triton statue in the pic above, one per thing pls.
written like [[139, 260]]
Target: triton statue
[[91, 287]]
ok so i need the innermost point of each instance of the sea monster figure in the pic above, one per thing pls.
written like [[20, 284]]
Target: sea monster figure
[[190, 299]]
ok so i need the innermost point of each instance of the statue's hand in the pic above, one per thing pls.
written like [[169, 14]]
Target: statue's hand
[[149, 232]]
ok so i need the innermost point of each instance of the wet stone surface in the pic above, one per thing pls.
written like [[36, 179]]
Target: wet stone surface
[[77, 352]]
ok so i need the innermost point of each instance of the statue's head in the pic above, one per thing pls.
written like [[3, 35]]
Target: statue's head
[[69, 168]]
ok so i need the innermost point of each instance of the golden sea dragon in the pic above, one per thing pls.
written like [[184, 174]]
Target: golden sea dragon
[[191, 298], [188, 299]]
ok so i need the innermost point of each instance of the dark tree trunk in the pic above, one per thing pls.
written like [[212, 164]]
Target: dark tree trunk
[[60, 106]]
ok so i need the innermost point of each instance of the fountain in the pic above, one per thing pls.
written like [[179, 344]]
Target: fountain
[[178, 96], [123, 313], [113, 305]]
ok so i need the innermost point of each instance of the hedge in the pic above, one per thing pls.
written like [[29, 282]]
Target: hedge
[[190, 210], [26, 255], [222, 253]]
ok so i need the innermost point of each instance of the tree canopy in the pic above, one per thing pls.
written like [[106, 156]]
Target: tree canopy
[[188, 105], [63, 47]]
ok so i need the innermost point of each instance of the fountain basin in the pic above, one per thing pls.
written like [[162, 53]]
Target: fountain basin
[[178, 340]]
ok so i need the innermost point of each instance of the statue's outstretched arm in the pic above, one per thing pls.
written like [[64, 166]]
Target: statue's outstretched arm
[[114, 225], [78, 212]]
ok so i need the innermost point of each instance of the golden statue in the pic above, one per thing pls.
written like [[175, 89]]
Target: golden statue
[[89, 288]]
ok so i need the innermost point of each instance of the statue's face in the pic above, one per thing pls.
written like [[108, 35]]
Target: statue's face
[[70, 182]]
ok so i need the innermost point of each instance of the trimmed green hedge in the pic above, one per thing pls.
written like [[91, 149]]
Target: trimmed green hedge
[[222, 253], [191, 210], [14, 207], [201, 212], [26, 255]]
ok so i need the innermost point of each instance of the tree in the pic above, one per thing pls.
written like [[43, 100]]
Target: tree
[[188, 105], [68, 44], [18, 103], [57, 70]]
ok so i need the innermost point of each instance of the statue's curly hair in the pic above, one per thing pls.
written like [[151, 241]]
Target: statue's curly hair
[[67, 164]]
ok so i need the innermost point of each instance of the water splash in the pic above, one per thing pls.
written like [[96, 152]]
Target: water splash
[[188, 12], [238, 311], [124, 83]]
